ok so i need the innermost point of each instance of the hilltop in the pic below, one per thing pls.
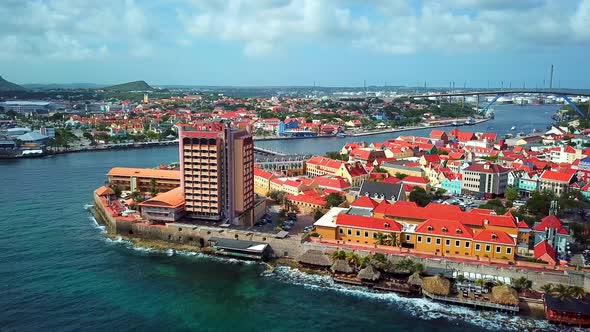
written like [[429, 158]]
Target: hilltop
[[9, 86], [130, 86]]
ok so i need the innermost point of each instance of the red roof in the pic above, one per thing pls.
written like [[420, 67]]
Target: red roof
[[444, 227], [414, 180], [523, 225], [438, 134], [545, 252], [356, 170], [324, 162], [494, 236], [551, 221], [487, 168], [392, 180], [262, 173], [309, 196], [368, 223], [565, 176], [365, 202], [336, 182]]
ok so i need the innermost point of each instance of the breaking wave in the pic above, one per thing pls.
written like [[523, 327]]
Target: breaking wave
[[417, 307]]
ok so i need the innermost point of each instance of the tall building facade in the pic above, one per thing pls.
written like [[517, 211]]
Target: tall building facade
[[217, 172]]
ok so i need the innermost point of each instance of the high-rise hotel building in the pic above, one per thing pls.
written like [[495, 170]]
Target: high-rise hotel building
[[217, 172]]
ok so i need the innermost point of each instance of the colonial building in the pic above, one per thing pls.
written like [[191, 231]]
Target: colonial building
[[143, 180], [557, 182]]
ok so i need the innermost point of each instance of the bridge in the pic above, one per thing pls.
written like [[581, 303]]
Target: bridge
[[268, 152], [565, 94]]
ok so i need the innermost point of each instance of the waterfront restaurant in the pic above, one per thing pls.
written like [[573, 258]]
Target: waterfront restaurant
[[569, 311]]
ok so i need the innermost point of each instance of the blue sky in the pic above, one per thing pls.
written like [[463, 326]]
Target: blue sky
[[297, 42]]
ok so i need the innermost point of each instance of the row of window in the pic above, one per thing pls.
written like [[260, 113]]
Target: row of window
[[488, 247]]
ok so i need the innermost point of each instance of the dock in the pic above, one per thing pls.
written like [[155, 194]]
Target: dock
[[473, 303]]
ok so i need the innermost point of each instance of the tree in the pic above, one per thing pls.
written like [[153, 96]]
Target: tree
[[339, 254], [353, 259], [136, 195], [511, 194], [439, 192], [522, 284], [577, 292], [400, 176], [547, 288], [460, 278], [419, 196], [562, 292], [540, 202], [393, 239], [116, 190], [496, 205], [334, 199], [153, 188], [381, 238], [337, 155], [480, 283], [317, 215]]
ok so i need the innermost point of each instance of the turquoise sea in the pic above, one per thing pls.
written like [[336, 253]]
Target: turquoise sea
[[59, 272]]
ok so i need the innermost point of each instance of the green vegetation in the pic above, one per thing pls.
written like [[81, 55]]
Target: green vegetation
[[564, 292], [334, 199], [400, 176], [496, 205], [511, 194], [129, 86], [9, 86], [419, 196], [336, 155], [522, 284]]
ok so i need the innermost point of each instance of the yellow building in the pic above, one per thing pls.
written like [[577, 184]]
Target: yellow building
[[262, 180]]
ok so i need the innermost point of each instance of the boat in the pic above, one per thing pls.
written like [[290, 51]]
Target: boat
[[521, 134], [535, 130], [512, 128], [508, 135], [341, 135], [454, 123]]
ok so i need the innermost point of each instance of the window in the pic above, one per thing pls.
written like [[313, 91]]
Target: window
[[477, 247], [428, 239], [509, 251], [340, 230], [488, 248], [349, 231], [408, 238], [358, 233], [429, 228], [457, 243], [374, 235], [419, 239], [438, 241], [447, 242], [366, 234], [498, 249], [467, 244]]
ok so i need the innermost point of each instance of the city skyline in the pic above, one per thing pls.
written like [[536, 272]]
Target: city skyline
[[297, 43]]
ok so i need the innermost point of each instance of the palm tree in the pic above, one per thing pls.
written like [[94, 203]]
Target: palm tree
[[562, 292], [339, 254], [393, 240], [353, 259], [577, 292], [480, 283], [418, 267], [379, 260], [460, 278], [547, 288], [381, 238], [522, 284]]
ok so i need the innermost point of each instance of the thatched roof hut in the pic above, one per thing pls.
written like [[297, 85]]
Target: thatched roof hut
[[437, 285], [341, 266], [369, 273], [415, 279], [314, 257], [504, 294]]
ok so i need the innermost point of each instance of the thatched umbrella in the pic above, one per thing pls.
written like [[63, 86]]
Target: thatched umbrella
[[437, 285], [415, 279], [341, 266], [504, 294], [314, 257], [369, 273]]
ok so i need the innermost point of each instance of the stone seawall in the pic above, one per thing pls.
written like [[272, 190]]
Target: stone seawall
[[573, 278], [193, 235], [197, 237]]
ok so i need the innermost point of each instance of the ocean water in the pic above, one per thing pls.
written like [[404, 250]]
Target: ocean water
[[59, 272]]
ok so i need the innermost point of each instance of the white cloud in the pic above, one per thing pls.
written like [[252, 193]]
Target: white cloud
[[391, 26], [71, 29]]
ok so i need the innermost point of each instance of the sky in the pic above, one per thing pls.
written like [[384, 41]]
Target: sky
[[474, 43]]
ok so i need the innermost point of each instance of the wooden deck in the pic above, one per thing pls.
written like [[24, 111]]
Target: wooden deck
[[470, 302]]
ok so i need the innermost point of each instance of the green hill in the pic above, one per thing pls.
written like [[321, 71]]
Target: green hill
[[130, 86], [9, 86]]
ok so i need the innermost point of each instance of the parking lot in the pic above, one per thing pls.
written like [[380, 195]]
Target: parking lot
[[466, 202], [272, 221]]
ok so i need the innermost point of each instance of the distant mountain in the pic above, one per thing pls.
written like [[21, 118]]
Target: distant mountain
[[9, 86], [72, 86], [131, 86]]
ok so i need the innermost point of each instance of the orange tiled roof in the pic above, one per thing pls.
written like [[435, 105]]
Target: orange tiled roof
[[171, 198], [145, 173]]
